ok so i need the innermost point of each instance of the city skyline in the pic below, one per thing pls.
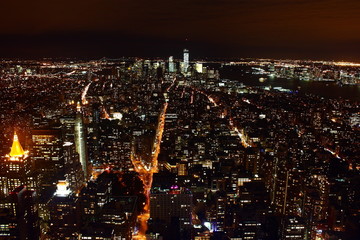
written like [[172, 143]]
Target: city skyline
[[178, 149], [180, 120]]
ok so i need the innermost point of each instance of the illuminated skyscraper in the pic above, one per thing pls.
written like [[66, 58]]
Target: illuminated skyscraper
[[15, 169], [199, 67], [80, 141], [16, 150], [73, 169], [48, 158], [115, 147], [186, 61], [63, 220], [171, 64]]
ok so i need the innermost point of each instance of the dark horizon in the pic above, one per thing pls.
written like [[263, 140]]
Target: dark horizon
[[301, 29], [87, 45]]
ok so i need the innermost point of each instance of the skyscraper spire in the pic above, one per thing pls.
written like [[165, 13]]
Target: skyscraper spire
[[16, 149]]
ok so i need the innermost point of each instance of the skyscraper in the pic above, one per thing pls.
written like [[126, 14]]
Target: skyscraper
[[199, 67], [80, 141], [170, 212], [171, 64], [47, 156], [26, 213], [186, 61], [16, 169], [73, 170], [63, 216]]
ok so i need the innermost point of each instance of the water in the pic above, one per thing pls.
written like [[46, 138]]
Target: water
[[324, 89]]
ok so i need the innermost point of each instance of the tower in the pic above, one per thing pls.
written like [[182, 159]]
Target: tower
[[47, 157], [16, 169], [25, 212], [72, 130], [63, 213], [171, 64], [80, 141], [186, 61], [73, 169]]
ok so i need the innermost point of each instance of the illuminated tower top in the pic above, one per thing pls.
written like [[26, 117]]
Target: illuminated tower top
[[186, 57], [78, 107], [16, 149]]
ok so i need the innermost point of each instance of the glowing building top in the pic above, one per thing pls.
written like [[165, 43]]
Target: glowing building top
[[16, 149], [62, 189], [78, 107]]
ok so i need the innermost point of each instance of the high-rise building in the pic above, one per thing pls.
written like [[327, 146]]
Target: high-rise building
[[47, 157], [293, 228], [114, 145], [73, 172], [120, 213], [186, 61], [26, 213], [8, 224], [15, 169], [250, 217], [170, 211], [171, 64], [63, 214], [74, 132], [80, 142], [68, 127], [199, 67]]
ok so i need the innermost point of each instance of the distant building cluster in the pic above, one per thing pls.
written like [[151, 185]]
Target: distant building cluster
[[341, 72], [78, 140]]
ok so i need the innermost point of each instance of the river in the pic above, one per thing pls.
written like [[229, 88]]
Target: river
[[323, 88]]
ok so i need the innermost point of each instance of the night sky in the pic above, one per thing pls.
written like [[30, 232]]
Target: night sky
[[314, 29]]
